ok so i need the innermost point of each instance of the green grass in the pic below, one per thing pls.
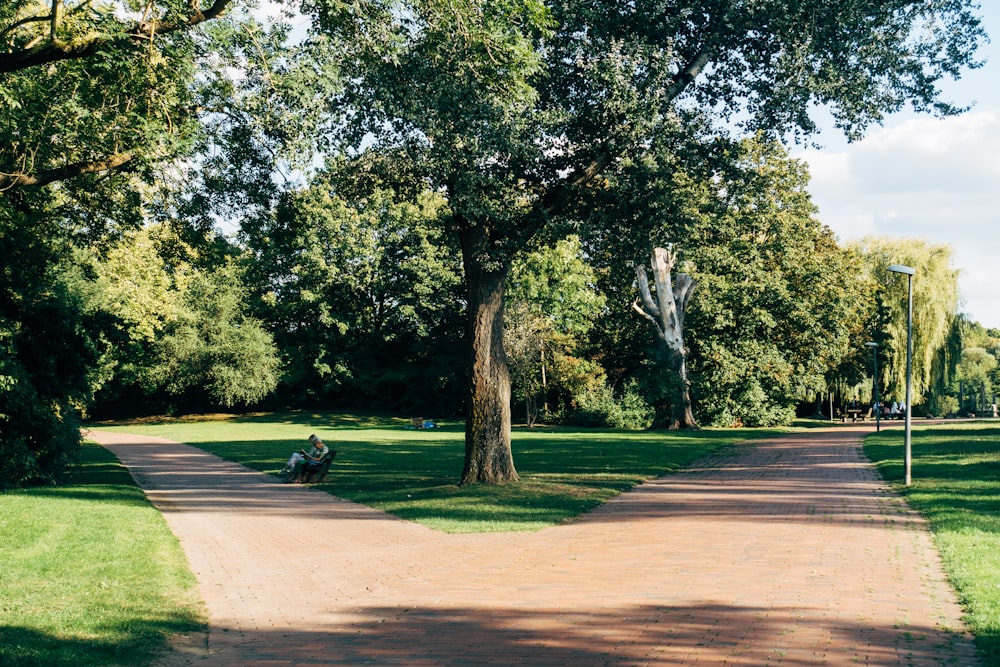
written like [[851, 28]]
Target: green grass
[[89, 572], [413, 474], [955, 475]]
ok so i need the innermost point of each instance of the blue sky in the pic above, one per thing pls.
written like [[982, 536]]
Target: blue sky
[[920, 177]]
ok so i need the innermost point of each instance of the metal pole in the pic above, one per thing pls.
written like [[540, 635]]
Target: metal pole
[[907, 452], [909, 376]]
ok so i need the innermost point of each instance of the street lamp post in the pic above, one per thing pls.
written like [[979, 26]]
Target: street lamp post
[[878, 402], [907, 456]]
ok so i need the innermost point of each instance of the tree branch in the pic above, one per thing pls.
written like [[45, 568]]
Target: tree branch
[[54, 18], [697, 63], [683, 291], [651, 309], [642, 311], [9, 181], [54, 50], [558, 198]]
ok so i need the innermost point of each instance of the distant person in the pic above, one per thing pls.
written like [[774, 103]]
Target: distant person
[[316, 453]]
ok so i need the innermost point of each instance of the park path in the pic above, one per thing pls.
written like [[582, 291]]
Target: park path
[[789, 552]]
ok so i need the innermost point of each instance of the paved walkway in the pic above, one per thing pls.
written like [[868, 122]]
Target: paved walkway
[[791, 552]]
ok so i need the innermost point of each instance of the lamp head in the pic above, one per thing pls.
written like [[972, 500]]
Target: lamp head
[[900, 268]]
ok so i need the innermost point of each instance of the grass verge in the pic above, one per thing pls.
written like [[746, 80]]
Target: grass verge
[[89, 573], [413, 474], [956, 484]]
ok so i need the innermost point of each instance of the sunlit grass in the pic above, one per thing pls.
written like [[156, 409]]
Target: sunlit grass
[[90, 573], [384, 463], [955, 475]]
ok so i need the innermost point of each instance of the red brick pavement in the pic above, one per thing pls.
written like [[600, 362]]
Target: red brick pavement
[[789, 552]]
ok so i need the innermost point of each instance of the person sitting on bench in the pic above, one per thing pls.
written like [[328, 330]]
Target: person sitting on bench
[[294, 466]]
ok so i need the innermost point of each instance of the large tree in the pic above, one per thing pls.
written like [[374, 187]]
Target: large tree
[[935, 308], [511, 107], [97, 106], [50, 342]]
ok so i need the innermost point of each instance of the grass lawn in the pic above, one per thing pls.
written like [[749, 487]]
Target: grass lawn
[[956, 484], [89, 573], [384, 463]]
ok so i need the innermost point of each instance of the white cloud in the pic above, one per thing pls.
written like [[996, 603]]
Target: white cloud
[[952, 155], [935, 179]]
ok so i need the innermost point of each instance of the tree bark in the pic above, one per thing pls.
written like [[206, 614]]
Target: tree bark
[[488, 456], [18, 180], [666, 313]]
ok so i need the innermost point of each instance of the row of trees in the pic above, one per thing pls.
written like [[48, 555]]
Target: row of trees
[[456, 140]]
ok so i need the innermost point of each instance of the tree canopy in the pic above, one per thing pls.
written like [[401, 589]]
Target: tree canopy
[[935, 307]]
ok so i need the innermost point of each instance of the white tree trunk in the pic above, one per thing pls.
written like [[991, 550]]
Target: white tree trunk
[[666, 313]]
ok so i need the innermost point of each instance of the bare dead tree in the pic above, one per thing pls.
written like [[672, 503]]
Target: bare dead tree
[[665, 312]]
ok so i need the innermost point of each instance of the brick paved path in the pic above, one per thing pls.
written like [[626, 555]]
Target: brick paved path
[[791, 552]]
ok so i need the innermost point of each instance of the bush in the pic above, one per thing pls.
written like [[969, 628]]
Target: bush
[[601, 408], [47, 357], [940, 406]]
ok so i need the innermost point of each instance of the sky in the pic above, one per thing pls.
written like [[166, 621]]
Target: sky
[[927, 178]]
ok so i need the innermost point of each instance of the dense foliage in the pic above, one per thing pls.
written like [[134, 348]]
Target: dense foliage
[[362, 296], [49, 347], [186, 341]]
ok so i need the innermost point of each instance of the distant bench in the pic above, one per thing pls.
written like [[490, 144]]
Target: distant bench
[[857, 413]]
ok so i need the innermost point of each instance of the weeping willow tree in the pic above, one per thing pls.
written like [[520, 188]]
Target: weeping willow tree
[[935, 310]]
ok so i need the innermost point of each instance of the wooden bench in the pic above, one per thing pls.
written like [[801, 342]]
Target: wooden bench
[[855, 414], [314, 472]]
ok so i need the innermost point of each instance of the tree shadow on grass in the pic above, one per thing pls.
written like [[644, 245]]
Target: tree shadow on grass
[[147, 643]]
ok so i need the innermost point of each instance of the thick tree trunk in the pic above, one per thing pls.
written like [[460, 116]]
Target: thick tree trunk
[[488, 457], [682, 412], [666, 313]]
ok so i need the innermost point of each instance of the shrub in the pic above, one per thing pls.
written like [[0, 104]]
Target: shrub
[[601, 408]]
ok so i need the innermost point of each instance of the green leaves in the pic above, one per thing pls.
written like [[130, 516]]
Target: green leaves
[[361, 288], [184, 328], [125, 99], [935, 307]]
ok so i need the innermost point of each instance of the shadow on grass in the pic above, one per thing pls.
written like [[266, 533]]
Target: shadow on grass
[[97, 475], [27, 647], [303, 418], [956, 484], [114, 636]]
